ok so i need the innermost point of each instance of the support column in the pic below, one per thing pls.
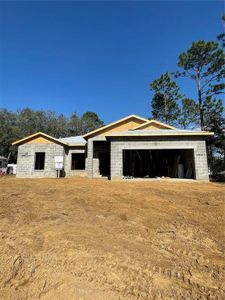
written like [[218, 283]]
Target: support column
[[116, 161], [201, 164], [90, 150]]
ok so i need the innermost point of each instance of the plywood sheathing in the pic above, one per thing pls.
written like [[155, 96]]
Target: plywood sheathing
[[153, 124], [40, 140], [127, 123]]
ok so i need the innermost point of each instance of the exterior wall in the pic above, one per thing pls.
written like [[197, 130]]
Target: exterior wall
[[68, 161], [198, 145], [90, 154], [26, 159], [96, 172], [26, 156]]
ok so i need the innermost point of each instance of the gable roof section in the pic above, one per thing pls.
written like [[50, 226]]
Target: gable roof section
[[155, 124], [38, 134], [114, 125]]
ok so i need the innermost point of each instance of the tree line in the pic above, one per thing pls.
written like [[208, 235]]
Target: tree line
[[204, 64], [19, 124]]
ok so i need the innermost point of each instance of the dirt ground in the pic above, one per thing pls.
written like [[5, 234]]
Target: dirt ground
[[95, 239]]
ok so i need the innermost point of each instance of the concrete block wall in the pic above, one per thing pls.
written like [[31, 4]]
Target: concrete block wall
[[90, 158], [96, 172], [120, 144], [26, 159], [201, 163]]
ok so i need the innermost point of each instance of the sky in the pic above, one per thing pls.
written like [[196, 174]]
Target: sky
[[99, 56]]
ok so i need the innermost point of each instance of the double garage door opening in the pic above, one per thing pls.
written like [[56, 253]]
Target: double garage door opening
[[174, 163]]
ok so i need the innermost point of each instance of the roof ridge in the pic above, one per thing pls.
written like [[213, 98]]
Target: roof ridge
[[114, 123]]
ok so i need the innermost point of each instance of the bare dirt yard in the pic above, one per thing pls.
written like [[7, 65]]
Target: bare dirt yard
[[95, 239]]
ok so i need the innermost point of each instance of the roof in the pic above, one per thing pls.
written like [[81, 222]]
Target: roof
[[136, 131], [114, 123], [3, 157], [21, 141], [161, 132], [70, 141], [154, 122], [74, 140]]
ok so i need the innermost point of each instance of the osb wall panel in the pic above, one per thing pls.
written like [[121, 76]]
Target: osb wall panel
[[125, 125], [40, 140], [153, 126]]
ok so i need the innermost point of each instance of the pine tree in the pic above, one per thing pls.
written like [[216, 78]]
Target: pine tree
[[214, 121], [204, 63], [165, 100], [221, 36], [189, 114]]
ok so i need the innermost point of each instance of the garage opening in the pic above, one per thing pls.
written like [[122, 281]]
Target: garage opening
[[173, 163]]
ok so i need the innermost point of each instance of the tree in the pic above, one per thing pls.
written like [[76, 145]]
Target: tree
[[188, 114], [90, 121], [164, 103], [74, 124], [204, 63], [26, 122], [51, 125], [62, 129], [221, 37], [17, 125], [8, 131], [214, 121]]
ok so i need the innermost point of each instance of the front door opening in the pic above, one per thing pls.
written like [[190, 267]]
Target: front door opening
[[104, 163], [101, 154], [39, 163], [174, 163]]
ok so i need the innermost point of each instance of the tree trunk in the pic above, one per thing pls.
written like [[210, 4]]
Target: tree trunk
[[200, 101], [165, 109]]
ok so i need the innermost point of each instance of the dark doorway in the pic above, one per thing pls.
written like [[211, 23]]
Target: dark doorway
[[39, 161], [104, 163], [174, 163]]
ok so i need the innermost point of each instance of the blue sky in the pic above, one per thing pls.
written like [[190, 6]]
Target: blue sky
[[96, 56]]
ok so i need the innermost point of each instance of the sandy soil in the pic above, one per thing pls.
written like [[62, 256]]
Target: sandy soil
[[94, 239]]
